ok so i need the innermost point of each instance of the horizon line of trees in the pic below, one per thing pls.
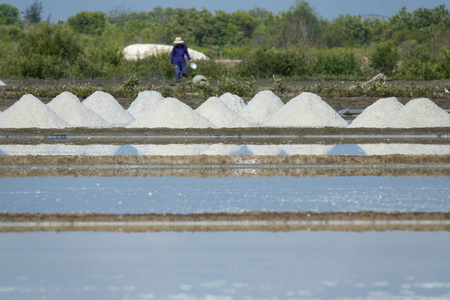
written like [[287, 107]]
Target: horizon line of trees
[[294, 43]]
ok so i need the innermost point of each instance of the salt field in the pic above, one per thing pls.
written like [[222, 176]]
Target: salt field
[[227, 265], [231, 199], [185, 195]]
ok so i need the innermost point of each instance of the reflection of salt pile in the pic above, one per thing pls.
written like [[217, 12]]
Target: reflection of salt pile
[[30, 112], [307, 110], [172, 113], [145, 103], [108, 108], [220, 114], [419, 113], [377, 114], [262, 107], [233, 101], [69, 107], [405, 149]]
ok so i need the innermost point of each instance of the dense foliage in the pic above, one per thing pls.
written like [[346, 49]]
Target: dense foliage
[[297, 43]]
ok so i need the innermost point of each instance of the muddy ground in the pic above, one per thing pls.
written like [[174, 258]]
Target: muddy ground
[[246, 221]]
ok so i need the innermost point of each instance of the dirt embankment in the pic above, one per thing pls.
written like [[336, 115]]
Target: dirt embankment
[[245, 221]]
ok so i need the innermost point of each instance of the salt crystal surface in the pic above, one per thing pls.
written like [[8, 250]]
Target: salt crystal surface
[[307, 149], [377, 114], [30, 112], [420, 112], [405, 149], [172, 113], [69, 107], [220, 114], [306, 110], [234, 102], [171, 149], [145, 103], [108, 108], [262, 107]]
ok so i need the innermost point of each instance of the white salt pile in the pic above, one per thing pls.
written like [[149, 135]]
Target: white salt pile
[[405, 149], [171, 149], [172, 113], [233, 101], [108, 108], [262, 107], [420, 112], [218, 113], [310, 149], [145, 103], [69, 107], [30, 112], [377, 114], [306, 110]]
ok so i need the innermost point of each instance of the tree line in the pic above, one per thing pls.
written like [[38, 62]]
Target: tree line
[[296, 43]]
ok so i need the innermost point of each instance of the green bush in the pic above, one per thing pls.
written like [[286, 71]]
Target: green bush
[[384, 57], [336, 61], [419, 64]]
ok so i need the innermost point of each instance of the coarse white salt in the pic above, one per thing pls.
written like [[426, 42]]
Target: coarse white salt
[[377, 114], [108, 108], [30, 112], [418, 113], [172, 113], [171, 149], [69, 107], [218, 113], [310, 149], [306, 110], [262, 107], [405, 149], [234, 102], [145, 103]]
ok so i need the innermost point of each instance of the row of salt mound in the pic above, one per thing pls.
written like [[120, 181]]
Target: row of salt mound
[[69, 107], [172, 113], [262, 107], [108, 108], [419, 113], [377, 114], [145, 103], [389, 112], [30, 112], [306, 110], [220, 114]]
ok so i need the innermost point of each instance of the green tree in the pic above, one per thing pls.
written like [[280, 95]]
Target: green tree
[[9, 15], [88, 22], [33, 12]]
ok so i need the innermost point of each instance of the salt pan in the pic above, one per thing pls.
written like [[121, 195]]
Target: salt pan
[[377, 114], [233, 101], [306, 110], [108, 108], [69, 107], [420, 112], [172, 113], [262, 107], [220, 114], [145, 103], [30, 112]]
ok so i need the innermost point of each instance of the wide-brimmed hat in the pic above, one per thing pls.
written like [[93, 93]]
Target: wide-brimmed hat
[[178, 40]]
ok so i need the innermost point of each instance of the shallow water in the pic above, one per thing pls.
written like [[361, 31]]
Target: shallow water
[[226, 149], [133, 195], [225, 265]]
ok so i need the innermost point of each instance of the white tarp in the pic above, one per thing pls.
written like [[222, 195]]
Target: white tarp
[[138, 51], [2, 83]]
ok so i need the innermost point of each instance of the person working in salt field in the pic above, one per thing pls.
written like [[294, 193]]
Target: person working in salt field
[[177, 60]]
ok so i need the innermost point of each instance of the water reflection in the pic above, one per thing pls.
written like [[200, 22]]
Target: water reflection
[[185, 195], [225, 265], [225, 149]]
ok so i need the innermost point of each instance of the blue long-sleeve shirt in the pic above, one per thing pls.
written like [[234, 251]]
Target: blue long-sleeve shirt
[[177, 54]]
